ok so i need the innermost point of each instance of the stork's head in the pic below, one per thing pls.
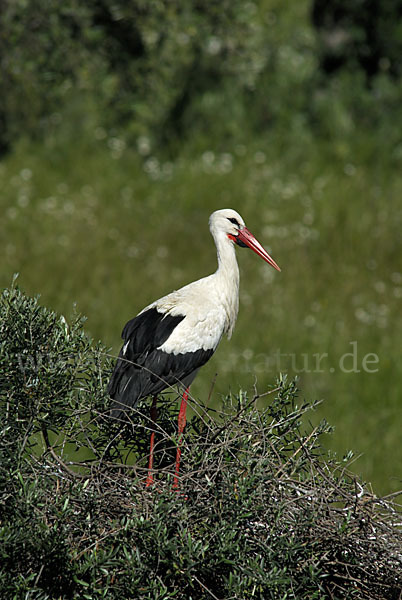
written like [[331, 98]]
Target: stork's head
[[228, 223]]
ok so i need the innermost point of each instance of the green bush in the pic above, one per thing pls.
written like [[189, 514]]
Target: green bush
[[261, 511]]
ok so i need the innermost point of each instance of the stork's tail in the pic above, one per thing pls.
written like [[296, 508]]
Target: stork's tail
[[123, 389]]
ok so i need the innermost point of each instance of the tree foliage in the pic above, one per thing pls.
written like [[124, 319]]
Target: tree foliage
[[364, 35], [167, 70], [146, 63], [262, 511]]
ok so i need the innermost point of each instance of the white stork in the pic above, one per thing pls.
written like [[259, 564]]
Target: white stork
[[170, 339]]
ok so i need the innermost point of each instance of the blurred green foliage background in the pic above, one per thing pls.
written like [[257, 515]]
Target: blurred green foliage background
[[124, 123]]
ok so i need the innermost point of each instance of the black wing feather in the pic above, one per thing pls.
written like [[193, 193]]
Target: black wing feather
[[143, 370]]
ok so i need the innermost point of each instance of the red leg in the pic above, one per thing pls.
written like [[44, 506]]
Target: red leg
[[154, 416], [181, 425]]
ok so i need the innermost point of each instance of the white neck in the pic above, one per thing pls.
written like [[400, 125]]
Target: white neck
[[227, 278]]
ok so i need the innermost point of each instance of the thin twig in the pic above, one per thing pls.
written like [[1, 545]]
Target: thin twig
[[239, 412], [57, 458], [205, 587]]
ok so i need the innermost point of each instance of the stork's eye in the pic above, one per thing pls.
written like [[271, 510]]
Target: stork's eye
[[234, 221]]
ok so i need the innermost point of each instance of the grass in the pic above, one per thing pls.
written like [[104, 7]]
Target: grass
[[97, 224]]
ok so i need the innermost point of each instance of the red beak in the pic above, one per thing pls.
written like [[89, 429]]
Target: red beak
[[246, 238]]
